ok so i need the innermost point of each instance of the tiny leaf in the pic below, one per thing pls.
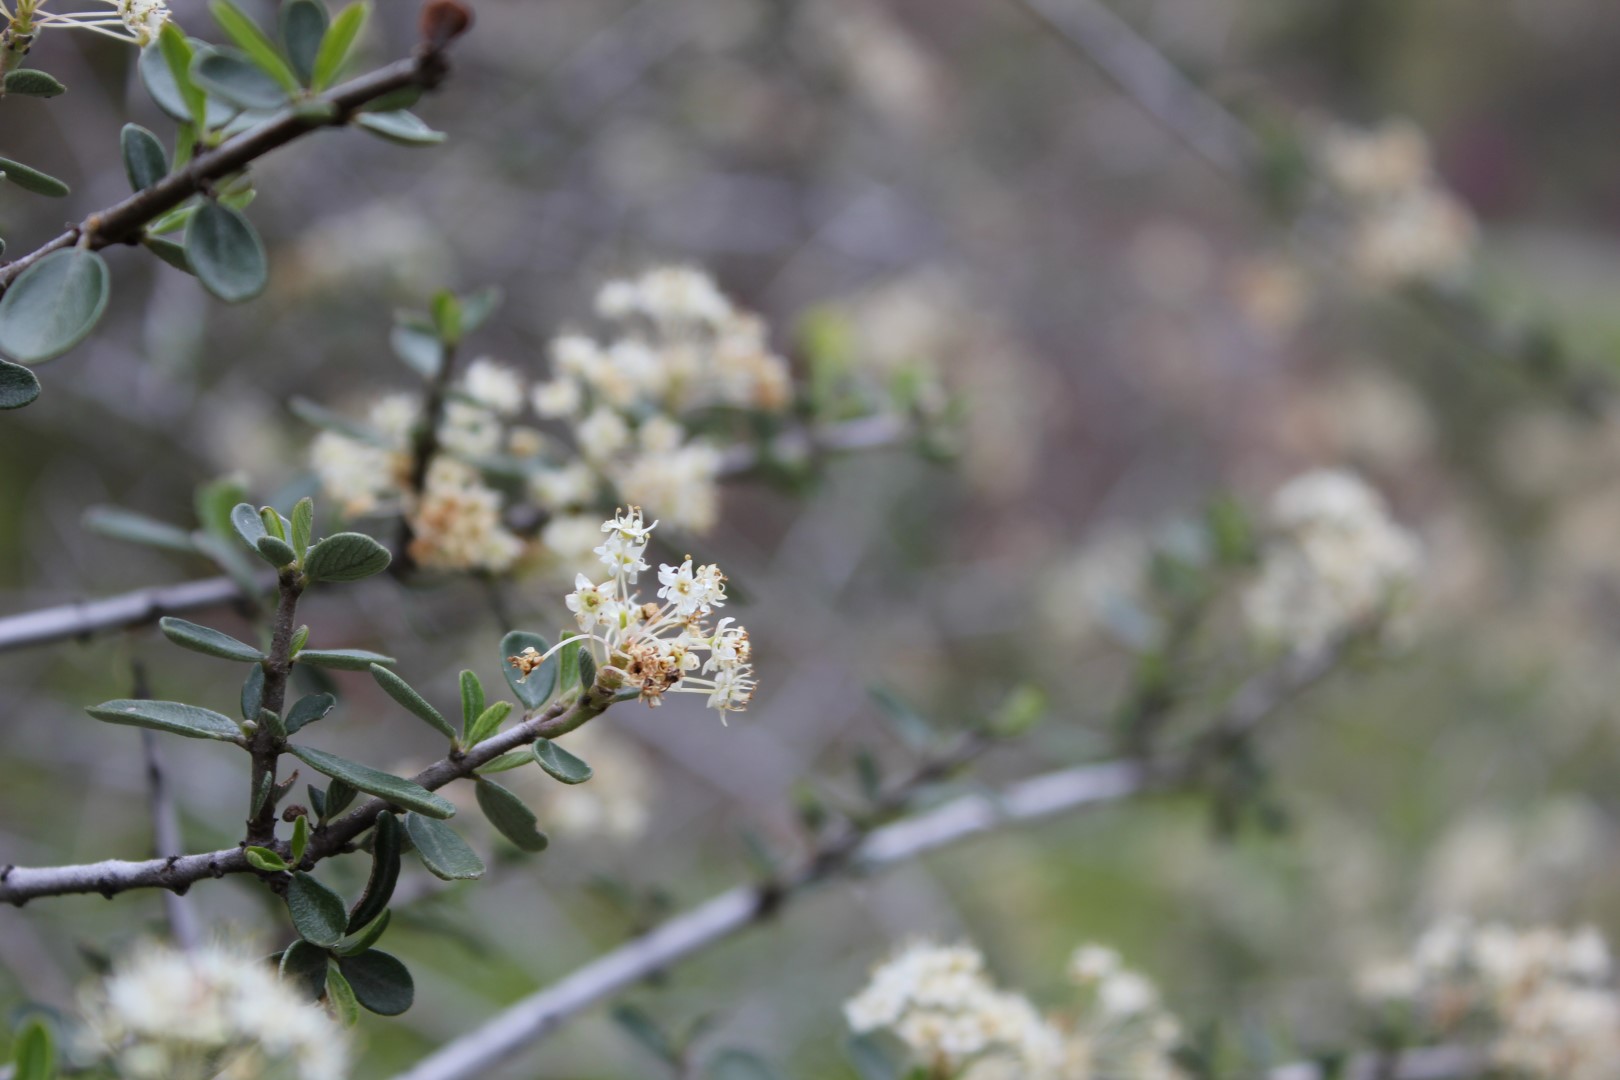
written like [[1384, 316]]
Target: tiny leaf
[[31, 179], [276, 552], [341, 995], [253, 692], [441, 850], [534, 689], [489, 722], [300, 838], [257, 47], [32, 82], [262, 858], [18, 386], [562, 765], [399, 126], [338, 41], [303, 522], [472, 701]]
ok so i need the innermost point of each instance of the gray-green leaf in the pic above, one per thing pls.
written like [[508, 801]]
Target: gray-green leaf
[[276, 551], [229, 74], [303, 25], [317, 912], [345, 556], [534, 689], [343, 659], [402, 692], [175, 717], [307, 710], [18, 386], [740, 1065], [441, 850], [386, 786], [145, 162], [204, 639], [136, 528], [32, 82], [31, 179], [380, 982], [560, 763], [225, 253], [404, 128], [53, 305], [510, 815], [488, 722], [303, 966]]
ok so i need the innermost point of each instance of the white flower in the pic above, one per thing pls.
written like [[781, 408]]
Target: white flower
[[572, 485], [558, 398], [457, 525], [470, 431], [692, 592], [494, 386], [592, 605], [136, 21], [602, 434], [627, 536]]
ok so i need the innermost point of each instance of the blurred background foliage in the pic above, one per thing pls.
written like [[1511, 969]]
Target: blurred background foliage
[[936, 180]]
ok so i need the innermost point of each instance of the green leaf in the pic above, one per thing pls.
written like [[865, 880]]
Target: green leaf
[[225, 253], [303, 522], [170, 252], [303, 25], [276, 552], [368, 935], [560, 763], [404, 128], [307, 710], [387, 841], [33, 1056], [32, 82], [510, 816], [174, 220], [441, 850], [472, 701], [206, 640], [740, 1065], [274, 524], [381, 983], [343, 659], [300, 838], [262, 858], [300, 638], [175, 717], [228, 74], [422, 352], [317, 912], [386, 786], [537, 687], [402, 692], [53, 305], [169, 81], [31, 179], [254, 43], [145, 162], [345, 556], [303, 966], [136, 528], [647, 1032], [272, 720], [447, 316], [568, 664], [512, 759], [337, 43], [253, 692], [478, 307], [247, 523], [341, 995], [19, 387], [587, 669], [489, 722], [872, 1061], [338, 797]]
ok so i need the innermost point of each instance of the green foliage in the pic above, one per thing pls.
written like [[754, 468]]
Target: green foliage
[[343, 659], [34, 1055], [174, 717], [341, 997], [253, 692], [230, 75], [488, 722], [225, 252], [300, 838], [386, 786], [345, 556], [368, 935], [472, 703], [303, 966], [402, 692], [536, 688], [560, 763], [145, 161], [441, 849], [32, 82], [53, 305], [740, 1065], [387, 842], [303, 523], [18, 386], [337, 43], [31, 179], [168, 80], [262, 858], [303, 25], [380, 982], [308, 709], [256, 47], [208, 641], [510, 816], [136, 528], [317, 912], [645, 1030]]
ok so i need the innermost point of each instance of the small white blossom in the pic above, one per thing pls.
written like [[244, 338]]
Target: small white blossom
[[592, 605], [494, 386]]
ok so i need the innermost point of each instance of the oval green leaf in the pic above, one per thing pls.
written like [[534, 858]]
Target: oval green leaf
[[174, 717], [345, 556], [386, 786], [303, 967], [510, 816], [560, 763], [18, 386], [303, 25], [488, 723], [229, 74], [399, 126], [338, 41], [32, 82], [31, 179], [442, 850], [536, 688], [145, 162], [380, 982], [225, 253], [206, 640], [307, 710], [318, 913], [52, 305]]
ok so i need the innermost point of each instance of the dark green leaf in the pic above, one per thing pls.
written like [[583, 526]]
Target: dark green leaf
[[203, 639], [488, 723], [560, 763], [33, 1057], [387, 841], [472, 701], [341, 996], [534, 689], [307, 710], [145, 162], [317, 912], [276, 552], [386, 786], [170, 252], [229, 74], [303, 24], [273, 721], [31, 179], [303, 967], [740, 1065], [646, 1031], [18, 386], [253, 692], [317, 801], [402, 692], [225, 253], [587, 669], [508, 814], [53, 305], [337, 43], [381, 983], [32, 82], [343, 659], [303, 522], [404, 128], [262, 858], [256, 46], [441, 850], [136, 528], [338, 797], [368, 936], [175, 717], [345, 556]]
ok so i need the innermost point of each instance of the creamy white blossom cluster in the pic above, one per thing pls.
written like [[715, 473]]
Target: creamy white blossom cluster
[[656, 648], [1404, 226], [677, 346], [956, 1023], [1335, 560], [135, 21], [1543, 998], [216, 1013]]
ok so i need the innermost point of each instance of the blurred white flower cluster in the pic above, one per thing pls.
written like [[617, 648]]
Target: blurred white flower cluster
[[213, 1014], [955, 1022], [1404, 226], [1335, 560], [135, 21], [657, 649], [1543, 998]]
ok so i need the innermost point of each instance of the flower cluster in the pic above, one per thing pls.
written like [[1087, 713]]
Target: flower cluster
[[656, 648], [1404, 226], [955, 1022], [135, 21], [1336, 560], [1543, 998], [213, 1013]]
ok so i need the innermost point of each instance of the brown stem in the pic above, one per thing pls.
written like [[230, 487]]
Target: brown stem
[[266, 744]]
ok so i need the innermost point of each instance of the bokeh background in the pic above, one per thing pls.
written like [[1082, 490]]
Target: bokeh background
[[953, 183]]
